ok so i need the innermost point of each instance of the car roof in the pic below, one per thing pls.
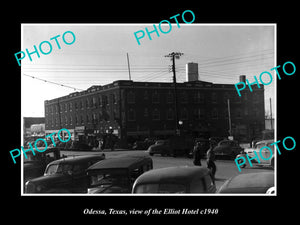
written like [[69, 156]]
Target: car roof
[[183, 174], [119, 162], [77, 159], [249, 183]]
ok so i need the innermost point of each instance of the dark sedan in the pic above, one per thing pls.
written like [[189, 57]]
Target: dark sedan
[[67, 175], [161, 147], [227, 148]]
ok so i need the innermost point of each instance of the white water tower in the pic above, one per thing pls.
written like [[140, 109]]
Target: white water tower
[[192, 72]]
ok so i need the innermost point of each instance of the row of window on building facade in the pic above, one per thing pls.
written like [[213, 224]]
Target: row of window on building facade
[[104, 101], [155, 114]]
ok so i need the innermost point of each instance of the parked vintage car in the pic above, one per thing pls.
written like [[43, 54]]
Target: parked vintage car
[[161, 147], [174, 146], [227, 148], [117, 175], [261, 182], [264, 154], [193, 179], [35, 165], [67, 175], [143, 145]]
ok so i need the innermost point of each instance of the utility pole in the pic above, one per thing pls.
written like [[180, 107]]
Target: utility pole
[[271, 113], [229, 117], [128, 66], [174, 55]]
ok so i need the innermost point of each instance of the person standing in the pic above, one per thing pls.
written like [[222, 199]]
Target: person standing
[[197, 154], [211, 159]]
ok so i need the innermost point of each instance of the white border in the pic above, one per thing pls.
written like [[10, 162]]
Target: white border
[[141, 24]]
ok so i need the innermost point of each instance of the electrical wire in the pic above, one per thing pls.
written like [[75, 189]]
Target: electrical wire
[[51, 82]]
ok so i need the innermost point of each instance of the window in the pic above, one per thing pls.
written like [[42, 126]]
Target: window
[[131, 115], [155, 97], [131, 97], [197, 113], [113, 99], [184, 114], [104, 100], [214, 113], [115, 114], [79, 169], [246, 111], [238, 113], [146, 112], [169, 97], [156, 114], [94, 102], [197, 97], [214, 97], [99, 101], [146, 95], [170, 114], [183, 97], [94, 118]]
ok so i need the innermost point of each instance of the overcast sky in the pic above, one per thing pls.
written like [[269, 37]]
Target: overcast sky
[[98, 56]]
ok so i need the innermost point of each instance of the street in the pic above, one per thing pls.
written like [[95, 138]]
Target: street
[[225, 168]]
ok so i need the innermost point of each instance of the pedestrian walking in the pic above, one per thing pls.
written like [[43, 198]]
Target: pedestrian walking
[[211, 159], [103, 142], [197, 154]]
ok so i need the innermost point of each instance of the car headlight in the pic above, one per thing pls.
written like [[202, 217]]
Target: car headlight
[[29, 187]]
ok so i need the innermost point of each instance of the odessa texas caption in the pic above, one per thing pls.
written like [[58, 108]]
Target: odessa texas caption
[[35, 144]]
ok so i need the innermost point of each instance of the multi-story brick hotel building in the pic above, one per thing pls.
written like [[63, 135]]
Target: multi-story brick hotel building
[[147, 109]]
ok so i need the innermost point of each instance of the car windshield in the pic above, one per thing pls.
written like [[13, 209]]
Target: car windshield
[[118, 178], [161, 188], [59, 169]]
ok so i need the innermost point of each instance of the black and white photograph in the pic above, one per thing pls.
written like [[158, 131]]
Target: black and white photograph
[[168, 109], [141, 112]]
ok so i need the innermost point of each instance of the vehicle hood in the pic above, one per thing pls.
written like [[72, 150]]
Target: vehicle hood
[[31, 165], [108, 189], [155, 145], [51, 179], [249, 150]]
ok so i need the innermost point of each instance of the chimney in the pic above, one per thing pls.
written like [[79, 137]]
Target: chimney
[[243, 78], [192, 72]]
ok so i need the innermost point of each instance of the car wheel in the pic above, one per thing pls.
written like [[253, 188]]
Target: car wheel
[[151, 154]]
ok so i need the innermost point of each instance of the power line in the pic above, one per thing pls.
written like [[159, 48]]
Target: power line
[[47, 81]]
